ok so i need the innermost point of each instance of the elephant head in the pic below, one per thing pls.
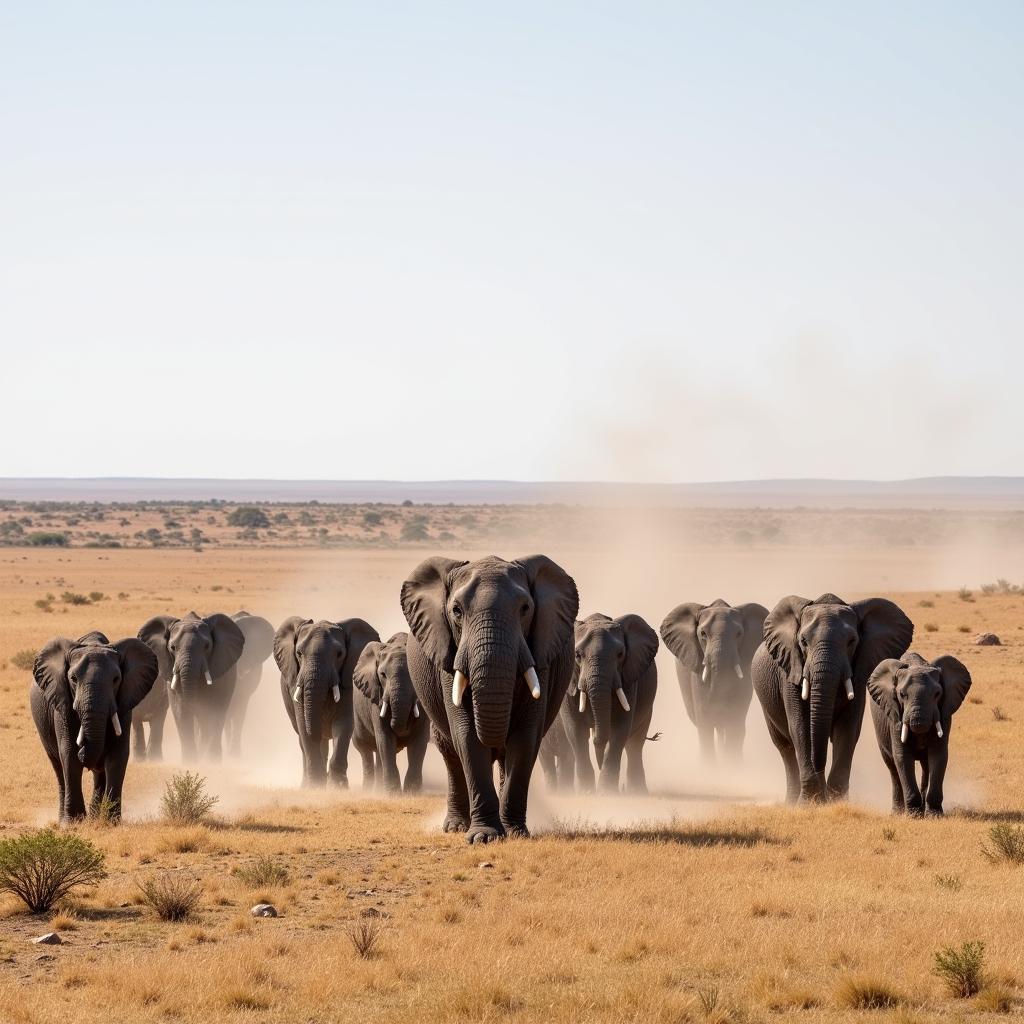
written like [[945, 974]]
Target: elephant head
[[612, 656], [493, 625], [715, 641], [382, 675], [193, 651], [259, 641], [317, 660], [826, 649], [919, 695], [97, 682]]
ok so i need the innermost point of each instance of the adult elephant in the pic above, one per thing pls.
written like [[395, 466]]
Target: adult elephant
[[912, 706], [317, 660], [387, 717], [810, 675], [490, 657], [259, 645], [198, 656], [714, 646], [612, 694], [82, 701]]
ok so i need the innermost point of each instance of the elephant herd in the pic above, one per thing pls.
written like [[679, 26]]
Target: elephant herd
[[497, 669]]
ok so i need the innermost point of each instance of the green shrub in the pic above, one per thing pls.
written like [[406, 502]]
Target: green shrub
[[249, 517], [1007, 844], [48, 540], [173, 896], [43, 867], [96, 596], [24, 660], [185, 800], [963, 969], [264, 871], [70, 597]]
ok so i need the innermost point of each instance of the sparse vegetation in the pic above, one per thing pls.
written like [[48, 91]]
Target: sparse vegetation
[[865, 993], [172, 895], [962, 969], [264, 871], [41, 868], [365, 938], [70, 597], [185, 800], [931, 627], [24, 660], [1005, 843], [954, 883], [998, 714], [964, 594]]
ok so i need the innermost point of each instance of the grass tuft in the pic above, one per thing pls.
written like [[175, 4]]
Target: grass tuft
[[365, 938], [864, 993], [174, 897], [263, 872], [1007, 844]]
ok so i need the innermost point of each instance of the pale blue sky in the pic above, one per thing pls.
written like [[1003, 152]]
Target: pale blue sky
[[537, 241]]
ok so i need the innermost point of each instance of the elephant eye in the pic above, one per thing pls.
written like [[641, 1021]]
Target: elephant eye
[[72, 677], [457, 610]]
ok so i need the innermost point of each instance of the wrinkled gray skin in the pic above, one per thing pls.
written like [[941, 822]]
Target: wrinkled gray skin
[[383, 684], [557, 759], [317, 660], [611, 655], [826, 642], [714, 646], [194, 649], [79, 685], [922, 696], [491, 621], [259, 646]]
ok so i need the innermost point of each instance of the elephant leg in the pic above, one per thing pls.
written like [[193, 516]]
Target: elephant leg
[[549, 765], [155, 747], [478, 767], [114, 768], [457, 818], [706, 741], [735, 735], [185, 723], [566, 768], [388, 754], [636, 779], [784, 745], [897, 786], [913, 801], [139, 740], [74, 800], [369, 771], [611, 765], [520, 757], [579, 740], [211, 731], [59, 772], [99, 789], [341, 731], [934, 775], [844, 741], [415, 752]]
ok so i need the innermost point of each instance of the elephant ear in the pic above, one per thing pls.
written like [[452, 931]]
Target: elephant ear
[[155, 633], [956, 681], [139, 671], [752, 616], [679, 631], [357, 635], [556, 604], [365, 673], [259, 641], [228, 643], [781, 636], [51, 671], [641, 647], [882, 687], [284, 646], [885, 632], [424, 596]]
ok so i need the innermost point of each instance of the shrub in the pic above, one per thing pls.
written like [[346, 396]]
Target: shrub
[[962, 969], [43, 867], [43, 604], [414, 532], [954, 883], [185, 800], [249, 517], [931, 627], [96, 596], [995, 999], [70, 597], [926, 603], [48, 540], [24, 660], [264, 871], [999, 714], [365, 936], [964, 594], [1007, 844], [866, 994], [173, 896], [963, 629]]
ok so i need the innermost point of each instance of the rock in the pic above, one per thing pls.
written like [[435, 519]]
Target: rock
[[988, 640], [372, 912], [264, 910], [485, 864], [49, 939]]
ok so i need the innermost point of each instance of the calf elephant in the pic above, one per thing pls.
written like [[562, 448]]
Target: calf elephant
[[82, 701], [387, 717], [490, 657], [810, 675], [713, 646], [259, 645], [199, 657], [317, 660], [912, 706]]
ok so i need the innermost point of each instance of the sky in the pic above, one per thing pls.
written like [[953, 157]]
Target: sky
[[575, 241]]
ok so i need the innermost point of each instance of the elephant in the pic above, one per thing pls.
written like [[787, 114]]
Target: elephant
[[82, 701], [317, 661], [259, 645], [810, 676], [557, 758], [611, 693], [912, 706], [198, 656], [387, 717], [713, 646], [490, 657], [152, 711]]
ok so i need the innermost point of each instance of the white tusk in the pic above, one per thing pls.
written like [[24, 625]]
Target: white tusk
[[938, 729], [621, 694], [533, 683], [805, 689], [459, 684], [209, 678], [903, 733], [416, 710], [336, 691], [174, 681], [583, 701], [295, 695], [383, 709], [739, 670], [849, 688], [704, 674], [116, 723], [81, 736]]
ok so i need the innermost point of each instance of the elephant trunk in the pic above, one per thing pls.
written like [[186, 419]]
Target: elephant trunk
[[493, 652], [919, 718], [825, 679], [91, 738], [400, 703], [600, 697], [190, 671], [716, 661], [315, 686]]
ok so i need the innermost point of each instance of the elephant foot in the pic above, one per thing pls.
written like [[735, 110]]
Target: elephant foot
[[454, 823], [517, 830], [484, 833], [934, 812], [412, 788]]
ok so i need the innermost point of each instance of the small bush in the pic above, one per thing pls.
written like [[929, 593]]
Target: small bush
[[931, 627], [185, 800], [926, 603], [962, 969], [173, 896], [41, 868], [995, 999], [48, 540], [263, 872], [999, 714], [365, 936], [866, 994], [70, 597], [954, 883], [24, 660], [963, 629], [248, 516], [43, 604], [1007, 844], [96, 596], [964, 594], [708, 999]]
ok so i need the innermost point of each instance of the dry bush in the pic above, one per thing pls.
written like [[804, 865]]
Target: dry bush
[[963, 969], [995, 999], [864, 993], [174, 897], [185, 800], [365, 938], [263, 872], [41, 868], [999, 714], [24, 660], [1007, 844]]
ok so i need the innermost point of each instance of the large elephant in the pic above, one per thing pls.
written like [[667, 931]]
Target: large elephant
[[259, 645], [912, 707], [82, 701], [810, 675], [317, 660], [490, 657], [387, 717], [713, 646], [612, 695], [198, 658]]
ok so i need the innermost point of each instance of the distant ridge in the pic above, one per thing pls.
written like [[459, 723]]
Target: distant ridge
[[923, 492]]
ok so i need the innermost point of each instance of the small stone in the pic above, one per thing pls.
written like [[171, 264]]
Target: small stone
[[44, 957], [485, 864], [264, 910], [372, 912], [49, 939], [988, 640]]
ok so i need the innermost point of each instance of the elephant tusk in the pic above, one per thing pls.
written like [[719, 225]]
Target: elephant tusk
[[533, 683], [209, 678], [583, 701], [849, 688], [174, 681], [704, 674], [81, 736], [903, 733], [116, 723], [805, 689], [416, 709], [459, 684], [295, 694], [336, 691], [621, 694], [383, 709], [938, 729], [739, 670]]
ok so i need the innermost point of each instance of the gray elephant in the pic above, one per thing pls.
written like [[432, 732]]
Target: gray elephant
[[151, 712], [198, 657], [714, 646], [388, 717], [810, 675], [490, 657], [912, 706], [82, 701], [557, 759], [259, 646], [317, 660]]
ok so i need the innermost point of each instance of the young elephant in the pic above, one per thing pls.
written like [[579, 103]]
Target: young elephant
[[612, 692], [713, 646], [82, 701], [913, 702], [388, 717], [317, 660], [259, 645]]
